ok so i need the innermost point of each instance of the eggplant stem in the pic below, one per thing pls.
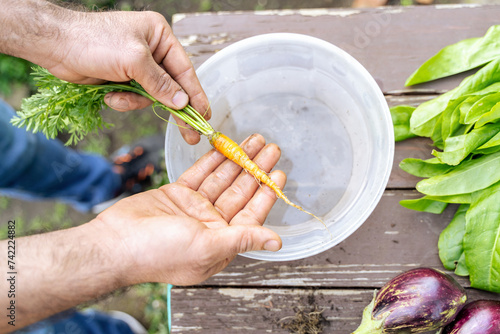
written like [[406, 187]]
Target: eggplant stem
[[368, 324]]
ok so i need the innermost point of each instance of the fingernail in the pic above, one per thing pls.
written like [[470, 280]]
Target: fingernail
[[107, 98], [116, 102], [180, 99], [272, 245]]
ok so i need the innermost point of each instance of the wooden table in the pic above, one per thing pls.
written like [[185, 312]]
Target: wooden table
[[252, 296]]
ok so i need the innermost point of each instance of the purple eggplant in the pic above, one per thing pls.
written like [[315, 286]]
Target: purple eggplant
[[478, 317], [416, 301]]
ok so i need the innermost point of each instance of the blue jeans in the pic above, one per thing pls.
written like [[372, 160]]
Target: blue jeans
[[33, 168], [87, 322]]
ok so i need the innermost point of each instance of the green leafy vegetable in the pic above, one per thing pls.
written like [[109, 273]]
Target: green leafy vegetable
[[466, 178], [485, 103], [459, 57], [62, 106], [491, 116], [424, 168], [457, 148], [425, 116], [464, 125], [401, 121], [450, 239], [424, 204], [481, 241]]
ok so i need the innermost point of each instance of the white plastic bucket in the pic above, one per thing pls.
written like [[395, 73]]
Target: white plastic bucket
[[329, 118]]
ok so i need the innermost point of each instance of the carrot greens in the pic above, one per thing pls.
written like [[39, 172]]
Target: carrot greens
[[63, 106]]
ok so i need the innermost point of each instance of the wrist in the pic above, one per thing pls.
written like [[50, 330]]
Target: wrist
[[112, 245], [34, 30], [112, 257], [62, 269]]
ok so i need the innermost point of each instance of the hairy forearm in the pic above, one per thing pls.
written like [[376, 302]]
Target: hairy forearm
[[58, 270], [32, 29]]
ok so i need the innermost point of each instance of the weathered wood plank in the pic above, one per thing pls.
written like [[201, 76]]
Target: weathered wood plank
[[236, 310], [390, 42], [392, 240], [420, 148]]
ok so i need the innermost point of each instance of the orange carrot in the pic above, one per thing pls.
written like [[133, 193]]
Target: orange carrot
[[235, 153]]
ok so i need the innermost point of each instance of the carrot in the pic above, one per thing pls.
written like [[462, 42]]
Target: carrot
[[232, 151], [58, 97], [235, 153]]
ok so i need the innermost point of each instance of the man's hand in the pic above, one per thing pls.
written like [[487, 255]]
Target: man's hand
[[91, 48], [191, 229], [182, 234]]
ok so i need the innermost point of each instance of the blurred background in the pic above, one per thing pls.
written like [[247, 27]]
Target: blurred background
[[146, 302]]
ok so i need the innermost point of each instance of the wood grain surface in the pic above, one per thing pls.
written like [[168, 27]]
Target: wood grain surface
[[252, 296]]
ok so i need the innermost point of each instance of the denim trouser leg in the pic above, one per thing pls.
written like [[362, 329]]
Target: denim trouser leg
[[33, 167], [86, 322]]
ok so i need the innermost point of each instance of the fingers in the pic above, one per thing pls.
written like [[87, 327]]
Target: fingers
[[169, 76], [201, 170], [240, 192], [241, 239], [160, 84], [190, 136], [223, 177], [125, 101], [259, 206], [179, 66]]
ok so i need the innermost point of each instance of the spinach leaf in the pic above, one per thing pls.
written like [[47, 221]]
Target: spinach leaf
[[468, 177], [479, 108], [491, 116], [450, 239], [468, 104], [493, 142], [459, 57], [459, 147], [489, 150], [425, 116], [424, 168], [451, 120], [481, 242], [401, 121], [435, 204], [424, 204], [461, 269]]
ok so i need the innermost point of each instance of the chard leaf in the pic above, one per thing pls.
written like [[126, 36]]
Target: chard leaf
[[450, 239], [424, 118], [468, 177], [401, 120], [482, 239], [459, 57], [424, 168], [459, 147]]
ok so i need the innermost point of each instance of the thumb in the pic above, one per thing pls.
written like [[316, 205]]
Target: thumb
[[157, 82], [246, 238]]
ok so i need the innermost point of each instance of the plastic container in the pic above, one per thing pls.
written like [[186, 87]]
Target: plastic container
[[329, 118]]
